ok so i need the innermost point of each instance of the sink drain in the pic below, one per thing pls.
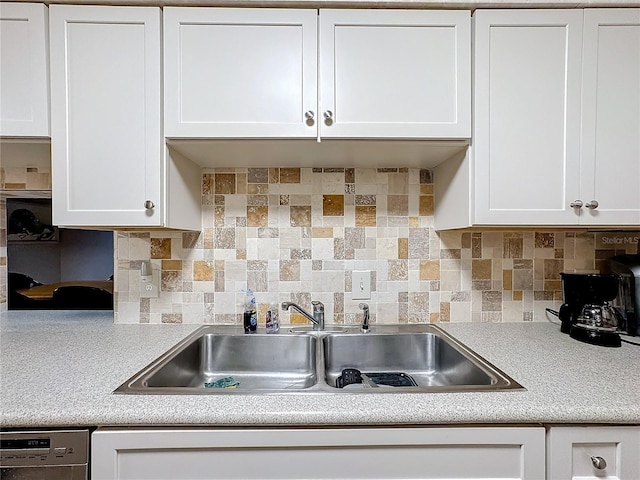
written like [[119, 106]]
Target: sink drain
[[392, 379]]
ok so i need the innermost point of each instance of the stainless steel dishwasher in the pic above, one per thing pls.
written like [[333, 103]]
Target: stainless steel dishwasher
[[44, 455]]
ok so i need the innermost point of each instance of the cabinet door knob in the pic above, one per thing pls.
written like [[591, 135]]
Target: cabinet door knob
[[328, 118], [599, 463], [149, 205], [576, 204], [309, 115], [593, 204]]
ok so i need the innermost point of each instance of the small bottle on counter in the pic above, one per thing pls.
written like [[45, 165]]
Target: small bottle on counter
[[250, 321], [273, 318]]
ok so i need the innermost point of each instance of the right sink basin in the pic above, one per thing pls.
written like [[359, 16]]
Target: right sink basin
[[416, 361]]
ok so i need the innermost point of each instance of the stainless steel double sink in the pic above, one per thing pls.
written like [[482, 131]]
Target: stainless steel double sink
[[311, 362]]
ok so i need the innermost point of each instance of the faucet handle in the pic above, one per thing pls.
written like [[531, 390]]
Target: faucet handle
[[317, 306]]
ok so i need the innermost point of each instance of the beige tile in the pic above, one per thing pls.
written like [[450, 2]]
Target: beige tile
[[429, 270], [202, 271], [257, 216], [289, 270], [258, 175], [544, 240], [397, 205], [481, 270], [300, 216], [322, 232], [512, 247], [552, 269], [171, 318], [426, 205], [403, 248], [354, 237], [507, 279], [491, 301], [333, 205], [365, 199], [398, 270], [224, 238], [465, 240], [365, 216], [445, 312], [398, 183], [171, 281], [522, 280], [160, 248], [171, 264], [225, 183], [257, 189], [426, 176], [289, 175]]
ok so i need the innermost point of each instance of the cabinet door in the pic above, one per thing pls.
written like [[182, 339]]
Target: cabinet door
[[24, 70], [593, 452], [527, 116], [105, 115], [390, 453], [395, 74], [611, 117], [240, 72]]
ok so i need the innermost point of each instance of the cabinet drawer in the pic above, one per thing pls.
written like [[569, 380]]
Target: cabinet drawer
[[593, 453]]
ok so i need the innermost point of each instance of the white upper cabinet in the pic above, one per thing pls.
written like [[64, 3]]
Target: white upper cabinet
[[24, 70], [395, 74], [610, 154], [108, 154], [526, 142], [556, 122], [253, 73], [240, 72]]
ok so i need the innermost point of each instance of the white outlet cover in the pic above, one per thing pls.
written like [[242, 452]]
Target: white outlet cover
[[150, 285], [361, 285]]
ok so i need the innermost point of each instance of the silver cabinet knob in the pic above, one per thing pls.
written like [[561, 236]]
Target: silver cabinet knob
[[310, 116], [598, 463], [576, 204], [149, 205], [328, 118], [593, 204]]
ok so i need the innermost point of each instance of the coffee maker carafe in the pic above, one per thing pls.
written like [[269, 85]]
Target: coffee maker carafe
[[586, 313]]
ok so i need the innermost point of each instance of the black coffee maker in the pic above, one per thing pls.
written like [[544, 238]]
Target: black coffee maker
[[586, 313]]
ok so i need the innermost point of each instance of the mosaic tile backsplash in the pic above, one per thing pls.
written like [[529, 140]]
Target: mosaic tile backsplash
[[296, 234]]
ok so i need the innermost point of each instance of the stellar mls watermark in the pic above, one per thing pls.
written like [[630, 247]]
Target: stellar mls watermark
[[619, 240]]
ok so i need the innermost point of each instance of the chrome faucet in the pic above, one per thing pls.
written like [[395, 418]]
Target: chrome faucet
[[318, 313], [365, 321]]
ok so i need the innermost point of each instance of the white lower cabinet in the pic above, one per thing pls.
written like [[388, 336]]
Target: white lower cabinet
[[593, 453], [322, 453]]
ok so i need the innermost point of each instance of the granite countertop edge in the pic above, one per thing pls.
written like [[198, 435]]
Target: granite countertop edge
[[60, 369]]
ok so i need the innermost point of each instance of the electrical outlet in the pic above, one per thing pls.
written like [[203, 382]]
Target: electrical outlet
[[361, 285], [149, 281]]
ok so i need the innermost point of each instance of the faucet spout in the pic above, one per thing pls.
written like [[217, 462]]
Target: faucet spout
[[365, 321], [318, 313]]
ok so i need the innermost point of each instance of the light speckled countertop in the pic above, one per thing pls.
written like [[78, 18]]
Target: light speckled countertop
[[60, 368]]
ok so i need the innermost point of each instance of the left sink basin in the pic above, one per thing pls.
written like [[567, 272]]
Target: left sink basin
[[245, 362]]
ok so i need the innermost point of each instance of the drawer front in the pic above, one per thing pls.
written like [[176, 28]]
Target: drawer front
[[593, 453]]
